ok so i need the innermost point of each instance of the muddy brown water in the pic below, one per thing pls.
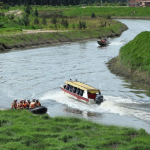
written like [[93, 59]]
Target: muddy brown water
[[39, 72]]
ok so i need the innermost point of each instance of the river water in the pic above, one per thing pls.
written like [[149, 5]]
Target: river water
[[39, 72]]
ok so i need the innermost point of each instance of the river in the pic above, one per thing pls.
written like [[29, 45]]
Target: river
[[39, 72]]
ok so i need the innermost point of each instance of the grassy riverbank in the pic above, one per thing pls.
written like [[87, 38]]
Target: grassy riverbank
[[75, 23], [41, 39], [134, 59], [19, 129]]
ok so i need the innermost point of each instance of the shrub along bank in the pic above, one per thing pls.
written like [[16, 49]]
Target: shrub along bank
[[134, 59], [115, 28], [19, 129]]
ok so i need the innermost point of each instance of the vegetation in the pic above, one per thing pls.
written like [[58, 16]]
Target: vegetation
[[136, 54], [52, 18], [40, 17], [22, 40], [64, 2], [19, 129], [134, 59]]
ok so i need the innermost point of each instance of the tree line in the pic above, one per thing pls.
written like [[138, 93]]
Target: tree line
[[59, 2]]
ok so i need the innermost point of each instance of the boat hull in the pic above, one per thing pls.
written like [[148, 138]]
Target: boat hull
[[38, 110], [103, 43], [77, 97]]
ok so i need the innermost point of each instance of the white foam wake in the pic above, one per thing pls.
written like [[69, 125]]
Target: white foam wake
[[110, 105]]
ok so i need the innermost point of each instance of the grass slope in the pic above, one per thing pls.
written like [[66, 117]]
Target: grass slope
[[19, 129], [136, 54], [133, 60]]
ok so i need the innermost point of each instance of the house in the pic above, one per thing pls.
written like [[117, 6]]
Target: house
[[138, 3]]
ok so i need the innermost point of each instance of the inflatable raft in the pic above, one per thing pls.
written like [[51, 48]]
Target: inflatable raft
[[38, 110]]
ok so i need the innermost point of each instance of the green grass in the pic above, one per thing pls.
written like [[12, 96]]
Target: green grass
[[19, 129], [72, 35], [136, 54], [99, 11], [72, 12]]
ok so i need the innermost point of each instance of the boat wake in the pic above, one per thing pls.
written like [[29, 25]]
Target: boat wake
[[115, 105], [117, 43]]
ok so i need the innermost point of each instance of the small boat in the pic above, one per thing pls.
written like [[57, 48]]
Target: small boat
[[103, 42], [38, 110], [82, 92]]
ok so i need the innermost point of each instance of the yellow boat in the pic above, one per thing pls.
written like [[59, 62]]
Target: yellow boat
[[82, 92]]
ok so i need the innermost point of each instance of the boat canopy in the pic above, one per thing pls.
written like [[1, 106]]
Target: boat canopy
[[83, 86]]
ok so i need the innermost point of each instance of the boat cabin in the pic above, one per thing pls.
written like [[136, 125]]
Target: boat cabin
[[81, 89]]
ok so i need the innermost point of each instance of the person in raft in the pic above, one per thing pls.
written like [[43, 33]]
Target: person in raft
[[38, 103], [20, 105], [24, 104], [14, 104], [33, 104]]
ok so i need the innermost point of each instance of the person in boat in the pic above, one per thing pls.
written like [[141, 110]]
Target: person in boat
[[105, 39], [14, 104], [38, 103], [28, 104], [33, 104], [20, 105], [78, 91], [24, 103]]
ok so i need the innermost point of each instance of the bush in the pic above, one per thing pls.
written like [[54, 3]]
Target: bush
[[73, 26], [64, 23], [93, 15], [54, 20], [80, 25], [84, 25], [1, 24], [36, 21], [25, 20], [36, 13], [44, 21]]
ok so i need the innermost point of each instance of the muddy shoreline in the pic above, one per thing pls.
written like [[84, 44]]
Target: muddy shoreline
[[118, 69]]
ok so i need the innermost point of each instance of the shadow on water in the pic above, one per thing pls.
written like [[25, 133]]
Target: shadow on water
[[78, 111]]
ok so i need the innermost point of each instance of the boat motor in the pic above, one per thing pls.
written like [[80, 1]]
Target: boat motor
[[99, 99]]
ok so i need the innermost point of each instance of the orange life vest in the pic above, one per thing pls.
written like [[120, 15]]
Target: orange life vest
[[28, 104], [39, 104], [32, 105], [24, 105], [15, 105]]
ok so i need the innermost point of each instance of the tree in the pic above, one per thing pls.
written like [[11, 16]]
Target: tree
[[84, 25], [27, 9], [93, 15], [25, 20], [44, 21], [36, 21], [54, 20], [1, 24], [80, 25], [73, 26], [36, 13]]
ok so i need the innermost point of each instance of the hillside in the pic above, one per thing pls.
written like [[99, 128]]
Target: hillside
[[134, 59]]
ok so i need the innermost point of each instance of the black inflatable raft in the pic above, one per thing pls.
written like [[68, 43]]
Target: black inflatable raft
[[103, 42], [38, 110]]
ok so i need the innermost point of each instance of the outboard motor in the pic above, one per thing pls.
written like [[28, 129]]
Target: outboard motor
[[99, 99]]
